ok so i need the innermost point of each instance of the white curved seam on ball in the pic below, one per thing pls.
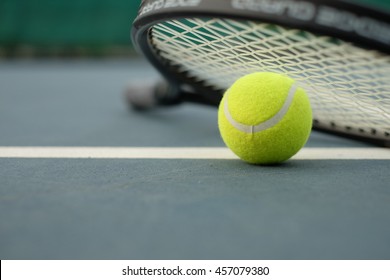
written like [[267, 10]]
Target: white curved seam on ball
[[266, 124]]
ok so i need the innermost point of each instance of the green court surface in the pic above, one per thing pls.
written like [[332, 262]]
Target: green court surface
[[140, 207]]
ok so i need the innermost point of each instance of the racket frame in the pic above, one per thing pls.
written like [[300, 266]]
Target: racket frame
[[184, 88]]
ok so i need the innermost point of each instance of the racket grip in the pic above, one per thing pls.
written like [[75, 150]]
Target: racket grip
[[150, 94], [141, 96]]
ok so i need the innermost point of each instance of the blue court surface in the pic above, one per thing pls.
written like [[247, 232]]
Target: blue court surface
[[84, 177]]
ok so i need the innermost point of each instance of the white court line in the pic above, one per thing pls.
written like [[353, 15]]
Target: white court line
[[182, 153]]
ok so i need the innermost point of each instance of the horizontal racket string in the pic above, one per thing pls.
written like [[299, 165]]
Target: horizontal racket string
[[347, 85]]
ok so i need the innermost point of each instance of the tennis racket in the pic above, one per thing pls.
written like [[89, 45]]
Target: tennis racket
[[338, 51]]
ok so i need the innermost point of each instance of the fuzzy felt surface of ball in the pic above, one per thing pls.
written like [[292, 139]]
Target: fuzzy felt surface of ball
[[265, 118]]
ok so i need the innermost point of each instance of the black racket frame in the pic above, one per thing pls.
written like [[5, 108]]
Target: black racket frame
[[182, 88]]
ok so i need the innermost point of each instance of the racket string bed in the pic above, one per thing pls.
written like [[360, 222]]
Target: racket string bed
[[349, 87]]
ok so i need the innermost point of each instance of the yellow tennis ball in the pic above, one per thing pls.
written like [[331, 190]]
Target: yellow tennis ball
[[265, 118]]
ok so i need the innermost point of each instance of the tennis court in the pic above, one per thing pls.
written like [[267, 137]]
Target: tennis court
[[82, 176]]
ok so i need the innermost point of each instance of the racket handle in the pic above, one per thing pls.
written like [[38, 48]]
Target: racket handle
[[147, 95]]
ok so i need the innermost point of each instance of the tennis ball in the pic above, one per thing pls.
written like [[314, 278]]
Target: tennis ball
[[265, 118]]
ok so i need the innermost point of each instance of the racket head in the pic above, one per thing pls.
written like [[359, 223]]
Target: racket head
[[184, 83]]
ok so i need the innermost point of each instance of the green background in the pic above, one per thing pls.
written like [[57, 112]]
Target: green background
[[66, 26]]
